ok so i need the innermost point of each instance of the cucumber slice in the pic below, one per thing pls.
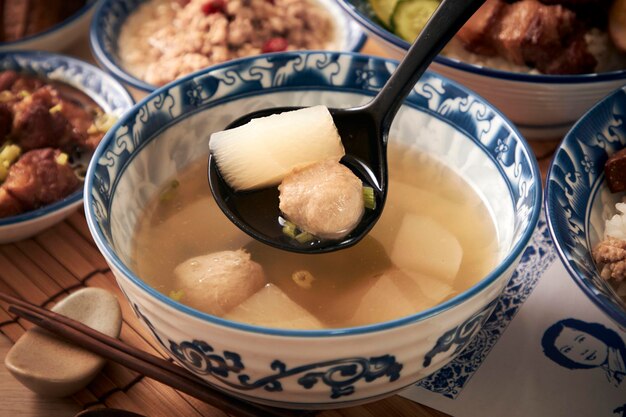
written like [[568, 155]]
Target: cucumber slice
[[410, 16], [384, 9]]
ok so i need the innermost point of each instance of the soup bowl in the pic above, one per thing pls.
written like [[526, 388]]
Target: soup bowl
[[541, 106], [309, 368], [578, 201]]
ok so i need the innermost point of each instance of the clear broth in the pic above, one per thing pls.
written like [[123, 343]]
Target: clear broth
[[191, 224]]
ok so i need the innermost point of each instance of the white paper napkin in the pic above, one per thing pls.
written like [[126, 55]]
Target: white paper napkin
[[579, 369]]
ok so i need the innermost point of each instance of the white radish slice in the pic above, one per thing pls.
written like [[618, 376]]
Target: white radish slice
[[425, 246], [393, 295], [271, 307], [262, 152]]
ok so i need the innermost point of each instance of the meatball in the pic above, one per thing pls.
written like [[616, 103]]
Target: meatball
[[324, 199], [37, 179], [218, 282]]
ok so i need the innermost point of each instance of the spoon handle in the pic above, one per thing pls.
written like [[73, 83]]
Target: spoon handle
[[442, 26]]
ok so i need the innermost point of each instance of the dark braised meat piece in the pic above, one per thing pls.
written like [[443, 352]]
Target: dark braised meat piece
[[7, 78], [615, 171], [9, 205], [478, 33], [572, 59], [20, 18], [6, 121], [37, 179], [530, 33], [35, 125]]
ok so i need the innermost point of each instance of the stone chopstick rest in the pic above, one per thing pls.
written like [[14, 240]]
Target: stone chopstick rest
[[53, 367]]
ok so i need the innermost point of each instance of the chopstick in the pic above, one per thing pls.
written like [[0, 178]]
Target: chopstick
[[154, 367]]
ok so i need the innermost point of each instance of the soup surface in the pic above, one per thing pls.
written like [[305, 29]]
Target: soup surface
[[435, 239]]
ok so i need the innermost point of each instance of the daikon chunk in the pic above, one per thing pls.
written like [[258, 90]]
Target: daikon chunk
[[393, 295], [425, 246], [271, 307], [260, 153]]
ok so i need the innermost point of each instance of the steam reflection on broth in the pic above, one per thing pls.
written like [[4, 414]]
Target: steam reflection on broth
[[435, 239]]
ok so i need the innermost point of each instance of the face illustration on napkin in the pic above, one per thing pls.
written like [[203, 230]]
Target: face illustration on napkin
[[576, 344]]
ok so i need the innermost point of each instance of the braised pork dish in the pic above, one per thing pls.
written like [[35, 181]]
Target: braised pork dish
[[22, 18], [46, 130], [547, 36]]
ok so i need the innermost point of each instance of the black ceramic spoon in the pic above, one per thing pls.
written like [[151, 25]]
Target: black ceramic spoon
[[364, 133]]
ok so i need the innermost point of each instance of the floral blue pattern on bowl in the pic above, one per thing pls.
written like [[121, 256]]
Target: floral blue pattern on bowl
[[309, 368], [109, 94], [111, 15], [578, 201]]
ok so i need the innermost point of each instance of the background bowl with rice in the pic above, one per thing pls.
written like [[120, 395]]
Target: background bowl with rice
[[111, 16], [541, 106], [168, 130], [103, 89], [578, 201]]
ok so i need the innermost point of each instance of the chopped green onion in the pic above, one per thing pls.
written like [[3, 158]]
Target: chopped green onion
[[369, 200], [102, 123], [56, 109], [304, 237], [303, 279], [177, 295], [289, 229], [61, 159], [170, 192], [9, 153]]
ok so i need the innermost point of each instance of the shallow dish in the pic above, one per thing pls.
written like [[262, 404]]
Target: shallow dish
[[59, 36], [111, 15], [102, 88], [541, 106], [315, 368], [578, 201]]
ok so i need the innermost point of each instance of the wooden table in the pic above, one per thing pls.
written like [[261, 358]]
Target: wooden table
[[62, 259]]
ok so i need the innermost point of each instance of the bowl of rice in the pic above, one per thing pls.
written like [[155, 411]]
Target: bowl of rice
[[567, 75], [586, 220], [148, 43]]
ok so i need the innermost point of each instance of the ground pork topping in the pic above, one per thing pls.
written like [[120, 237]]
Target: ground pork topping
[[610, 255], [166, 39]]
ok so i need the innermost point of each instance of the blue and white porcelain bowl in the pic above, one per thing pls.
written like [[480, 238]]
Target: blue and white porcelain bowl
[[324, 368], [578, 201], [111, 15], [110, 95], [541, 106], [58, 37]]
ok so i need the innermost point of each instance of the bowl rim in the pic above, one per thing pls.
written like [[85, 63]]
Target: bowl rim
[[617, 315], [60, 25], [31, 215], [110, 64], [400, 43], [111, 257]]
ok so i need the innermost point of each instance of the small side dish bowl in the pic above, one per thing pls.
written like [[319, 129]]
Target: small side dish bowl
[[111, 15], [313, 369], [578, 201], [110, 95], [541, 106], [58, 37]]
